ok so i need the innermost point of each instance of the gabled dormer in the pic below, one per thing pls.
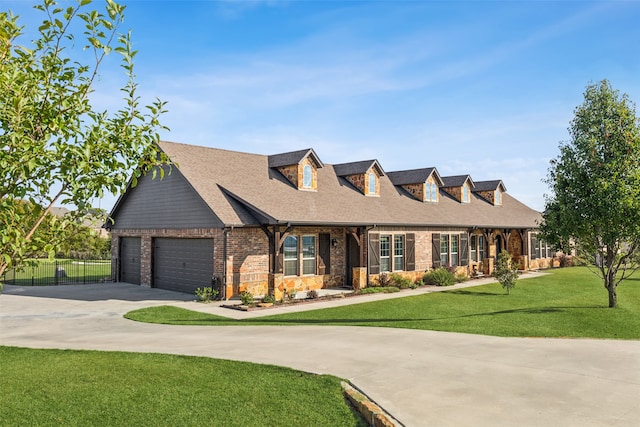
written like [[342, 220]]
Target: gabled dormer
[[491, 191], [365, 175], [299, 167], [423, 184], [459, 187]]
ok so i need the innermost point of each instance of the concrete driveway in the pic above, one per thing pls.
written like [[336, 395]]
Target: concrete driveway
[[422, 378]]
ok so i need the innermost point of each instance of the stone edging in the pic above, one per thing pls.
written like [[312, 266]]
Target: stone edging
[[371, 412]]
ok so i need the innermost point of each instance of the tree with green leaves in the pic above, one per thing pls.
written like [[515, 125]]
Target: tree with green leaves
[[55, 147], [594, 203], [506, 271]]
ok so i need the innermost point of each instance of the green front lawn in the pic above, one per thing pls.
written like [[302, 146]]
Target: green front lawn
[[568, 302], [88, 388]]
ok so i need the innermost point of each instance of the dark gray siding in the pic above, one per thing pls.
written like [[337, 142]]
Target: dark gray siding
[[182, 265], [163, 203]]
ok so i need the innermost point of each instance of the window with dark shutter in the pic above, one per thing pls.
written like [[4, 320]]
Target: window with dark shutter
[[324, 252], [374, 254], [464, 249], [435, 250], [410, 255]]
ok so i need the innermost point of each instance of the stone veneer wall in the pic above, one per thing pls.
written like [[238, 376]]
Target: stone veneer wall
[[291, 173], [417, 190], [295, 174], [488, 195], [455, 192], [361, 182]]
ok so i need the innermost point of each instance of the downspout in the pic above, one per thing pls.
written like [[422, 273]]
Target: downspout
[[224, 264]]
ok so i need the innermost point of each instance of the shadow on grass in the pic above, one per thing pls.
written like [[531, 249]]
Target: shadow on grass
[[480, 294], [371, 321]]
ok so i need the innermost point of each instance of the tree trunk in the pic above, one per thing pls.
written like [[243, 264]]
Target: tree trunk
[[613, 296]]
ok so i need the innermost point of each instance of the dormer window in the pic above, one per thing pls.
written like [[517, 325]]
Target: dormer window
[[498, 197], [307, 177], [465, 193], [372, 183], [433, 192], [300, 168], [364, 175]]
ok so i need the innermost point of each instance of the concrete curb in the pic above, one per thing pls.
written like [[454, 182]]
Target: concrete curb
[[372, 413]]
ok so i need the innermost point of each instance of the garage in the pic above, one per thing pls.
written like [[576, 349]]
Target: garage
[[182, 265], [130, 260]]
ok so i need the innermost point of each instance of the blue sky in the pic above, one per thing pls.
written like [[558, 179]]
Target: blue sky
[[478, 87]]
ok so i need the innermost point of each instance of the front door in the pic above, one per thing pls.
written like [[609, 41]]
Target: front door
[[353, 258]]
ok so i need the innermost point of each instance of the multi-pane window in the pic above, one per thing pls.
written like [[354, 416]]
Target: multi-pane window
[[476, 248], [540, 248], [385, 253], [307, 177], [372, 183], [398, 252], [308, 254], [392, 258], [454, 249], [444, 249], [291, 256]]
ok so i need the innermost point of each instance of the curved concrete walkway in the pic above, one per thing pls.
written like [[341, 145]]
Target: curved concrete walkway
[[420, 377]]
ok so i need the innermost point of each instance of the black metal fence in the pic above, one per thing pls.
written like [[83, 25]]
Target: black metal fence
[[59, 272]]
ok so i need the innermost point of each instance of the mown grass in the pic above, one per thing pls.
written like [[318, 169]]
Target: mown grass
[[568, 302], [89, 388], [42, 272]]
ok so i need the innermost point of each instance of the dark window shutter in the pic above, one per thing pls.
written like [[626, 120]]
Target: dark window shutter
[[534, 246], [435, 250], [324, 252], [464, 249], [410, 254], [374, 254]]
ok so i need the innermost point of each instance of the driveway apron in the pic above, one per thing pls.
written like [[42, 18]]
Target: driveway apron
[[423, 378]]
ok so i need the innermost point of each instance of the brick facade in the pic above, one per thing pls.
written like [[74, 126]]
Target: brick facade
[[247, 256]]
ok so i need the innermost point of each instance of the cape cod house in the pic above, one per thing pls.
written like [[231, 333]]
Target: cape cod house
[[270, 224]]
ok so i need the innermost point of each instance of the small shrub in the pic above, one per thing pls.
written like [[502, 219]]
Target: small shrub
[[312, 294], [269, 298], [382, 281], [246, 297], [566, 260], [439, 277], [291, 295], [400, 282], [461, 277], [206, 294]]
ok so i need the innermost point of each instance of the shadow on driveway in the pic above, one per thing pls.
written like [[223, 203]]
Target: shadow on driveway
[[98, 292]]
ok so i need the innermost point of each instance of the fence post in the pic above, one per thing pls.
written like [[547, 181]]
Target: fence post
[[55, 273]]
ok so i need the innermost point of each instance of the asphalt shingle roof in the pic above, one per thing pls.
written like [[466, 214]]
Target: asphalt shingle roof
[[456, 181], [242, 189], [413, 176], [293, 158], [489, 185]]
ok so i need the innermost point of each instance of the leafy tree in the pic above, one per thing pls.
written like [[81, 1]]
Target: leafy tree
[[506, 271], [55, 147], [595, 183]]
